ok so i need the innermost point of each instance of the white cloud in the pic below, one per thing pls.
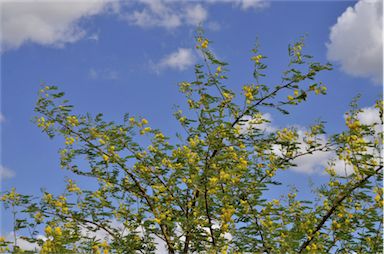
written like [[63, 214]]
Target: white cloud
[[244, 4], [6, 173], [179, 60], [316, 162], [105, 74], [166, 14], [369, 115], [311, 163], [2, 118], [261, 122], [93, 37], [319, 160], [251, 4], [356, 40], [23, 244], [50, 22], [196, 14], [213, 26]]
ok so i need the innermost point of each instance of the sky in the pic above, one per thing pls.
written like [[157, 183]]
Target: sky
[[128, 56]]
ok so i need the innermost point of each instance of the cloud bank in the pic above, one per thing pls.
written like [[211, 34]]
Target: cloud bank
[[48, 23], [356, 40]]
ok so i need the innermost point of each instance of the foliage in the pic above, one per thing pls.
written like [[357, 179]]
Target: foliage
[[206, 192]]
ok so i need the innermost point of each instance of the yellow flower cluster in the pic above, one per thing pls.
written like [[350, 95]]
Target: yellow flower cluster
[[286, 135], [195, 141], [61, 204], [93, 133], [145, 130], [56, 232], [69, 140], [42, 123], [105, 157], [352, 124], [72, 187], [144, 121], [313, 248], [184, 86], [72, 120], [204, 44], [248, 92], [12, 196], [243, 163], [226, 217], [257, 58], [160, 136], [38, 217]]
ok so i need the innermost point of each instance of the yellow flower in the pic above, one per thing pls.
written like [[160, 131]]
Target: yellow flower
[[218, 69], [105, 157], [213, 181], [257, 58], [104, 244], [145, 130], [204, 44], [69, 140], [48, 230], [58, 231], [38, 217], [144, 121], [72, 120]]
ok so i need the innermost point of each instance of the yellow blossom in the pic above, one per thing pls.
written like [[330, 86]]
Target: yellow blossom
[[58, 231], [257, 58], [38, 217], [69, 140], [48, 230], [204, 44]]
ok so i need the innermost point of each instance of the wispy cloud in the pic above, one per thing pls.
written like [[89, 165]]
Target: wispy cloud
[[105, 74], [165, 14], [6, 173], [244, 4], [2, 118], [251, 4]]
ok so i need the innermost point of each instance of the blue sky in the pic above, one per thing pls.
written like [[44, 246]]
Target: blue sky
[[118, 57]]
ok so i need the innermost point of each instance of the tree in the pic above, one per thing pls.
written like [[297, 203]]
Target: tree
[[206, 192]]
